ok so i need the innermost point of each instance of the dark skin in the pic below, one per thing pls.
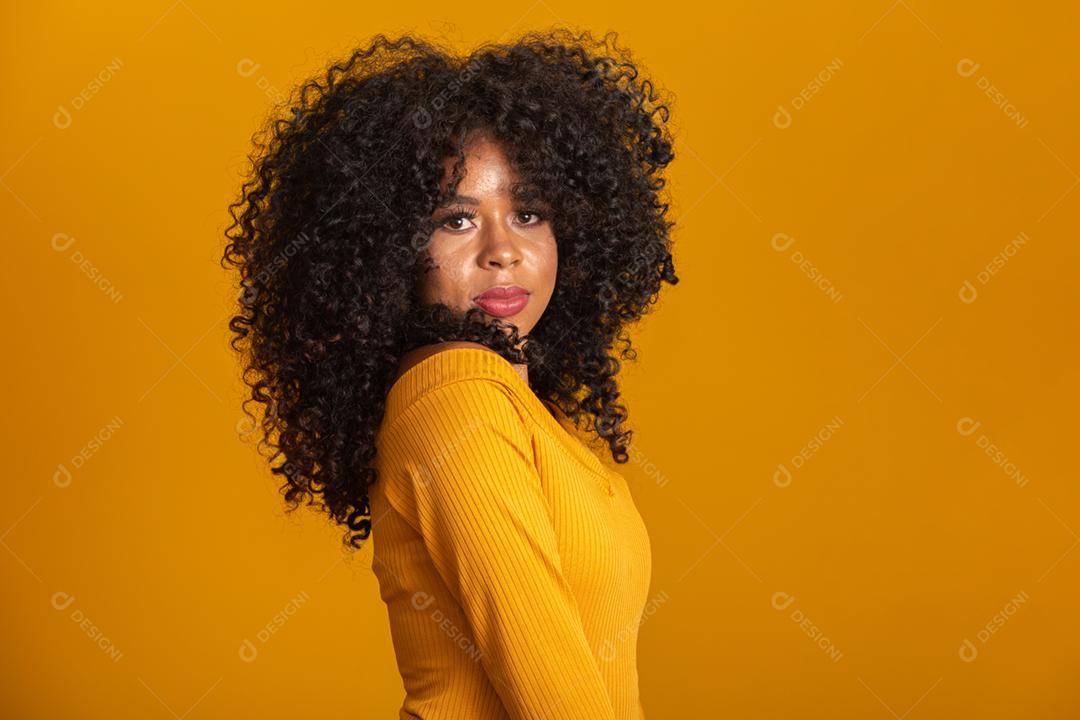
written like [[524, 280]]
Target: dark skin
[[508, 242]]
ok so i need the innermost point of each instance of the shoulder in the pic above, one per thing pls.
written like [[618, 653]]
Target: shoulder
[[417, 355], [454, 381], [468, 433], [466, 400]]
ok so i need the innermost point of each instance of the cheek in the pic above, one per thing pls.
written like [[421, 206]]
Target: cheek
[[445, 282], [548, 264], [553, 262]]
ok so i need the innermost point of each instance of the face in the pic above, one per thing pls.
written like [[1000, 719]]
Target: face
[[486, 238]]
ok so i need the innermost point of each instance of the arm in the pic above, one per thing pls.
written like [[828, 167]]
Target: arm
[[481, 512]]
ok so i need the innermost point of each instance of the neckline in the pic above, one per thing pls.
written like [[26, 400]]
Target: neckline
[[458, 363]]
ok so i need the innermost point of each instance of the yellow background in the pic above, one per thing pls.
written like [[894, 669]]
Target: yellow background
[[842, 170]]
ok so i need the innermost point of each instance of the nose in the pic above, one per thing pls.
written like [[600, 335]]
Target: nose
[[499, 246]]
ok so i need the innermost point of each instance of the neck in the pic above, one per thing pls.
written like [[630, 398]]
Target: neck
[[523, 370]]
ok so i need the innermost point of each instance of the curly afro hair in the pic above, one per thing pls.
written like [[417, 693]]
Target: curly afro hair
[[333, 219]]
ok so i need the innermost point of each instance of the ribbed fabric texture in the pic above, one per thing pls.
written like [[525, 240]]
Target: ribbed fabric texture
[[513, 563]]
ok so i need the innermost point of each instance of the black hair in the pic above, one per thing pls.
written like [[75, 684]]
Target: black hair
[[333, 220]]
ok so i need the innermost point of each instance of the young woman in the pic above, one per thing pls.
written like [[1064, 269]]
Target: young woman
[[438, 255]]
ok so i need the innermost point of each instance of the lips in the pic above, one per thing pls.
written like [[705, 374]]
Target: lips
[[502, 292], [503, 301]]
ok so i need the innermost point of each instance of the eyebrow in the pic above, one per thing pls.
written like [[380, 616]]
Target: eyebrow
[[524, 195]]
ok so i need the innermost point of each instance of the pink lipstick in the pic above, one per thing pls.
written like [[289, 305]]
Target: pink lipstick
[[503, 301]]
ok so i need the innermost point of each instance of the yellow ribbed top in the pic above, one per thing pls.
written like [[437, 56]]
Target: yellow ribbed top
[[513, 563]]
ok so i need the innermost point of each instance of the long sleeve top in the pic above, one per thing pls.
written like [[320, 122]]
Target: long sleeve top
[[514, 565]]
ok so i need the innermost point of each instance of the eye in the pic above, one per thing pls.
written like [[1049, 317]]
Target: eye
[[456, 217], [535, 215]]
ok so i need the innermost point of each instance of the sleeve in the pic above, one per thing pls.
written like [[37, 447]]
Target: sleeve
[[479, 506]]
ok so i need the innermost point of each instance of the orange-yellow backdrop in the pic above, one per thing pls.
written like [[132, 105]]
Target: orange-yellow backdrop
[[855, 416]]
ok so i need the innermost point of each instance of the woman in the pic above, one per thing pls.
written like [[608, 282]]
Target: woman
[[438, 254]]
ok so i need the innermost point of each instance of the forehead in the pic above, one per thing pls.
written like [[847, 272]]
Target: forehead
[[485, 163], [486, 172]]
